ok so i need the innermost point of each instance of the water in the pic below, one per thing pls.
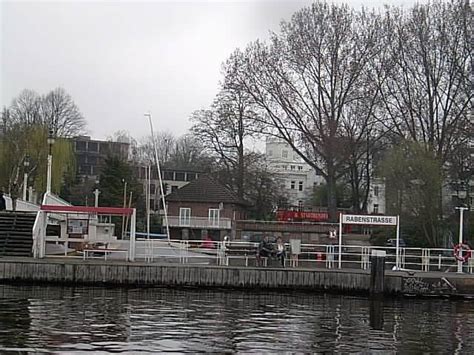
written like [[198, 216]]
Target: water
[[67, 320]]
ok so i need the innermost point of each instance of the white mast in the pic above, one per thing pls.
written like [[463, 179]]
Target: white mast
[[157, 161]]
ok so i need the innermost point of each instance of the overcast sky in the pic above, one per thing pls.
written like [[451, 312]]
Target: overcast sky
[[119, 59]]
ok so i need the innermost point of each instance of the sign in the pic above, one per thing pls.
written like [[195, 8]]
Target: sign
[[78, 226], [364, 219]]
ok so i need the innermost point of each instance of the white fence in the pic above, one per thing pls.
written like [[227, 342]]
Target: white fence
[[237, 253]]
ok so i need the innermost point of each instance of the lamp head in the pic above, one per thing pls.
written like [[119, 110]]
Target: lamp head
[[51, 137]]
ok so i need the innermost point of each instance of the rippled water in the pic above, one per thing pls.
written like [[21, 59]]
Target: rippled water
[[66, 320]]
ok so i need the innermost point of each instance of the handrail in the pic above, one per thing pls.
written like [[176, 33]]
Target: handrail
[[310, 256]]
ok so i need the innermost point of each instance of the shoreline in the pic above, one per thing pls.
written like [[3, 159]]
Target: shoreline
[[62, 271]]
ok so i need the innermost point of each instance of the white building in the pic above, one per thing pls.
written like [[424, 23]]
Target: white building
[[376, 200], [296, 175]]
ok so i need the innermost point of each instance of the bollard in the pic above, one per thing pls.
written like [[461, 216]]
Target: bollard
[[377, 271]]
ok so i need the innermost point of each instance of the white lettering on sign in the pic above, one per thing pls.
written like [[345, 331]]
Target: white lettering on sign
[[363, 219]]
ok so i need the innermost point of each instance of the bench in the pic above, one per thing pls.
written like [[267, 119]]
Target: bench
[[245, 251], [240, 251], [104, 249]]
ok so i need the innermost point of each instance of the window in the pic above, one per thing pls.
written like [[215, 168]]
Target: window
[[214, 215], [80, 146], [300, 185], [92, 159], [184, 216], [376, 191], [300, 167], [93, 147], [168, 175], [292, 185], [152, 189], [292, 167], [190, 176], [376, 208], [284, 154], [179, 176]]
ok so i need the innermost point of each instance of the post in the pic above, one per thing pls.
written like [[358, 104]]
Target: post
[[131, 250], [48, 176], [160, 181], [124, 205], [25, 182], [340, 241], [50, 141], [377, 271], [461, 221], [148, 193], [397, 246], [30, 194], [96, 197]]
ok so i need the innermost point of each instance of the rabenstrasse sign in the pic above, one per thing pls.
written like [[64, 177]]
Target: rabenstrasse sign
[[363, 219]]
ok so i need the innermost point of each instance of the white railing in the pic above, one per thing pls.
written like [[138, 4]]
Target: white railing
[[200, 222], [240, 253], [310, 255]]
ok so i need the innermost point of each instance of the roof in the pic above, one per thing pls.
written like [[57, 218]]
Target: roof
[[204, 189]]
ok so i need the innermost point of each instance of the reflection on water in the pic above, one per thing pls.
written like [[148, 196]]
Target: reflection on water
[[83, 319]]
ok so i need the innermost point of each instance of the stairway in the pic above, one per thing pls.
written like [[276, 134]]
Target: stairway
[[16, 233]]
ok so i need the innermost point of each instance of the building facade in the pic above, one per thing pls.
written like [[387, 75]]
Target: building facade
[[295, 175], [91, 155], [173, 179], [204, 208]]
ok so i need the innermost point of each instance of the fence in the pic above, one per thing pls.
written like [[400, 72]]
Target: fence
[[239, 253]]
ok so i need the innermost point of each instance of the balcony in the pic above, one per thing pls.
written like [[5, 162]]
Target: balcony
[[199, 222]]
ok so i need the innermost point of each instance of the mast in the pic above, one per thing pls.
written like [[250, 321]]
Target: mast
[[157, 162]]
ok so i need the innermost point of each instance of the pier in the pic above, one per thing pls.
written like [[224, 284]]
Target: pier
[[121, 273]]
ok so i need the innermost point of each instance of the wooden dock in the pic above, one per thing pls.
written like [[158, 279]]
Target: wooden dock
[[95, 272]]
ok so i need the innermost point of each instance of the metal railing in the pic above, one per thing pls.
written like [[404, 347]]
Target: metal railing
[[242, 253]]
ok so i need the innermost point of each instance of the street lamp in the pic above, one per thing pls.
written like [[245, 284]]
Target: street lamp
[[50, 160], [26, 164], [96, 194], [461, 222]]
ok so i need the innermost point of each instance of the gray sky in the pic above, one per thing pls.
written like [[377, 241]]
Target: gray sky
[[119, 59]]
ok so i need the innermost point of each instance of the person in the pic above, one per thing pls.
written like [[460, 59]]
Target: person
[[223, 259], [3, 203], [280, 251], [207, 242], [265, 249], [14, 195]]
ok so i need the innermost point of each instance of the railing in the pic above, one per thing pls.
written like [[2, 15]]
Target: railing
[[200, 222], [310, 256], [240, 253]]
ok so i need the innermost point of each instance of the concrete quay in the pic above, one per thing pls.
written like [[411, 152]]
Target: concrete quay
[[120, 273]]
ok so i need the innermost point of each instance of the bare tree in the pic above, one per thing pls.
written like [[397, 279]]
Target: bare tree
[[231, 120], [25, 109], [61, 114], [309, 81], [165, 143], [56, 111], [428, 93]]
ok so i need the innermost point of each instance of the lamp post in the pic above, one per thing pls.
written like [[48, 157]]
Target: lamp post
[[50, 160], [26, 164], [96, 194], [461, 221]]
